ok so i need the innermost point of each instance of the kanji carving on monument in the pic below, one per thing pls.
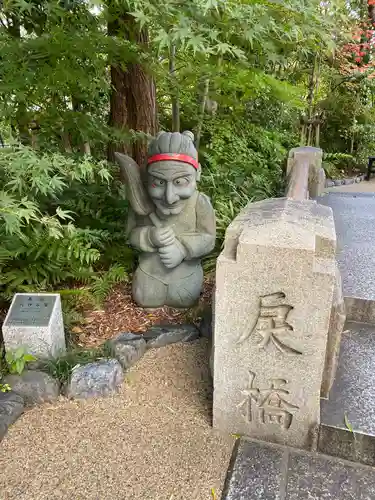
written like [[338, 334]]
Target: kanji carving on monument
[[272, 323], [269, 404]]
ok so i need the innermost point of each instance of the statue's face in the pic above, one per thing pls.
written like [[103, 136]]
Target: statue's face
[[170, 184]]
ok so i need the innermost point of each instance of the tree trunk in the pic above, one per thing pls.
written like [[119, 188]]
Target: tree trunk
[[133, 100], [86, 149], [67, 146], [201, 112], [84, 146], [311, 88], [174, 97], [371, 12], [317, 135]]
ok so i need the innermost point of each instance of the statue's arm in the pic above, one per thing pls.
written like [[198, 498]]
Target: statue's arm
[[201, 241], [139, 236]]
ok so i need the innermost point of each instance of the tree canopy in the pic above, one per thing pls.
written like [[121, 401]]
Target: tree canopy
[[81, 79]]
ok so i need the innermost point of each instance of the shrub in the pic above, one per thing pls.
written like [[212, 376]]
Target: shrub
[[61, 367], [16, 360], [60, 221], [241, 163]]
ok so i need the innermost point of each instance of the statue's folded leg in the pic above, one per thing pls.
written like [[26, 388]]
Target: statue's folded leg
[[148, 291], [186, 291]]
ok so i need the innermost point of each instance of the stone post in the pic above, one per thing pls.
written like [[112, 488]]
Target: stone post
[[274, 289], [316, 173]]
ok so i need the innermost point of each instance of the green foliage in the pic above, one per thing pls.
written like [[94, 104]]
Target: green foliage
[[5, 388], [337, 165], [62, 214], [16, 360], [346, 101], [103, 282], [52, 226], [61, 367], [240, 164], [331, 170]]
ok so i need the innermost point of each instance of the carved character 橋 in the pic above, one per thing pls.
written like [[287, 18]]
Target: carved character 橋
[[170, 222]]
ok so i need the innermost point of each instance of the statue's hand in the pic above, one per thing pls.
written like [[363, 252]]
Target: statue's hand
[[172, 255], [161, 236]]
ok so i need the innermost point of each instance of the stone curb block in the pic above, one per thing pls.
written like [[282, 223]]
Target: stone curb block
[[98, 379], [339, 182], [163, 335], [35, 387], [11, 407], [127, 348]]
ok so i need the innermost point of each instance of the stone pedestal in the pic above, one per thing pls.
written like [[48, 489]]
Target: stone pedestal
[[35, 322], [274, 290]]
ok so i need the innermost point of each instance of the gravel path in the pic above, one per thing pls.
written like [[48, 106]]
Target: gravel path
[[151, 441]]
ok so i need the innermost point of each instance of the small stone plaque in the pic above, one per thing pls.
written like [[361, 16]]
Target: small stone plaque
[[31, 310], [35, 321]]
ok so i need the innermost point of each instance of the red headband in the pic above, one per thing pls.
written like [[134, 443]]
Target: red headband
[[175, 157]]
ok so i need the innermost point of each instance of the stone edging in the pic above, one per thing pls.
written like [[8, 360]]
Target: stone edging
[[340, 182], [96, 379]]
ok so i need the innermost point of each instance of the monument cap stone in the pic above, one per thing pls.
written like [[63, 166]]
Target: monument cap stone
[[35, 321]]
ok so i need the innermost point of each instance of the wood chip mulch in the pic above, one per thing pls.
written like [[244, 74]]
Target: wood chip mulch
[[121, 314]]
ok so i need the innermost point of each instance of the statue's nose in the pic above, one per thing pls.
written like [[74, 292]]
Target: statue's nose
[[170, 195]]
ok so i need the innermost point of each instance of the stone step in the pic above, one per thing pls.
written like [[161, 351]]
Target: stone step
[[348, 417], [355, 228], [262, 471]]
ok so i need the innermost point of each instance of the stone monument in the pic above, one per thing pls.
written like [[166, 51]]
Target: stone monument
[[275, 282], [35, 321], [170, 222]]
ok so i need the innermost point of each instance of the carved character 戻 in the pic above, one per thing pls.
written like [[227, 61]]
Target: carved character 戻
[[272, 324], [170, 222]]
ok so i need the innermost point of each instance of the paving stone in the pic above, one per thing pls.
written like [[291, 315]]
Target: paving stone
[[261, 471], [318, 477], [11, 407], [162, 335], [254, 472], [35, 387], [352, 396], [353, 392], [127, 348], [95, 379], [355, 228]]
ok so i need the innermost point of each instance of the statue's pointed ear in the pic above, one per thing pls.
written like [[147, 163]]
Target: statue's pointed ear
[[199, 172]]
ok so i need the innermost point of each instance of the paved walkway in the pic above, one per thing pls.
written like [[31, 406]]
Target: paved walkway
[[153, 441], [354, 210]]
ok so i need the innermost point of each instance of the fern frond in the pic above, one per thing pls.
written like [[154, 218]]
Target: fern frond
[[104, 283]]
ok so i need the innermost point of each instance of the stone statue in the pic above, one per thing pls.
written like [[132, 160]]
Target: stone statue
[[170, 222]]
